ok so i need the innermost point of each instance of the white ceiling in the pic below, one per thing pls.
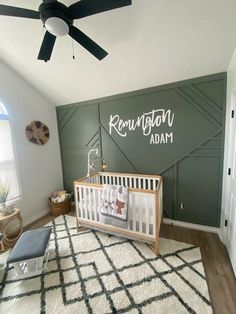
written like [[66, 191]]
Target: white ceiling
[[150, 43]]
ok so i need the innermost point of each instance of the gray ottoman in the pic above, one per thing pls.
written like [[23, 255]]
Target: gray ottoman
[[29, 253]]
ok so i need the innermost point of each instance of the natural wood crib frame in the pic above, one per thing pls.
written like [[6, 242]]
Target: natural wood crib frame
[[145, 205]]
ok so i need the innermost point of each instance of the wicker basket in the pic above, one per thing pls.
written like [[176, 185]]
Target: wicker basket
[[60, 208]]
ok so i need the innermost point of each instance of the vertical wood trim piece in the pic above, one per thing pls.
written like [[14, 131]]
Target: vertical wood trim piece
[[176, 189], [99, 131]]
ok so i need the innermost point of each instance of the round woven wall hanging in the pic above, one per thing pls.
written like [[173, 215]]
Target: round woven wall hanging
[[37, 132]]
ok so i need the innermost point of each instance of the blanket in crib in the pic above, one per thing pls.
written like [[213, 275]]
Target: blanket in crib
[[114, 201]]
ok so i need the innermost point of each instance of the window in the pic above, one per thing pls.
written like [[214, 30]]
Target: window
[[8, 171]]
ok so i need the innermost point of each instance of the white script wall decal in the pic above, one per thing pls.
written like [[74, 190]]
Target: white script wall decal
[[147, 122]]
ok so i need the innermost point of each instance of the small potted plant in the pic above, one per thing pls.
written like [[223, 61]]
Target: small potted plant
[[4, 192]]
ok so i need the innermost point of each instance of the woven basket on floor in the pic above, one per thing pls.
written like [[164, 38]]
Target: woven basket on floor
[[61, 208]]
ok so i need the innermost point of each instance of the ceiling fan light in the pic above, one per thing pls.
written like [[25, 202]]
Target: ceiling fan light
[[56, 26]]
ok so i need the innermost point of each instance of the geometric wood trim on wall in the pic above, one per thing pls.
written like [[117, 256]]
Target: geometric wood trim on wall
[[191, 164]]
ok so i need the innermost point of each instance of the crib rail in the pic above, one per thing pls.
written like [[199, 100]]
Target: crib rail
[[134, 181]]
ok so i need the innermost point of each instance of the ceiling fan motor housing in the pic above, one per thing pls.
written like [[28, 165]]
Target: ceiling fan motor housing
[[56, 18]]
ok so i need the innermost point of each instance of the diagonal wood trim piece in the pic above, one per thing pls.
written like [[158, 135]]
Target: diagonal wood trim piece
[[86, 145], [64, 115], [95, 142], [66, 122], [197, 91], [196, 106], [123, 153], [189, 152]]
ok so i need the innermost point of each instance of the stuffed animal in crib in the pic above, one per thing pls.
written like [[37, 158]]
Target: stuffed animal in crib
[[120, 205]]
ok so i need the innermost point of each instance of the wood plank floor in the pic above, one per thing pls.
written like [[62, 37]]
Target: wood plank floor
[[219, 272]]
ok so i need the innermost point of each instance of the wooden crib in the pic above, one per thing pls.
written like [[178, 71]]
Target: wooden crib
[[144, 205]]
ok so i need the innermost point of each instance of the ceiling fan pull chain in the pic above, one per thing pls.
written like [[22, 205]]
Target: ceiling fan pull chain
[[43, 30], [73, 49]]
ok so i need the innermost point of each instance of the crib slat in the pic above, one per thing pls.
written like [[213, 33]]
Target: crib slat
[[99, 195], [156, 184], [130, 211], [85, 203], [76, 192], [95, 204], [147, 215], [134, 211], [139, 183], [140, 210], [90, 203], [80, 203], [128, 181], [154, 208]]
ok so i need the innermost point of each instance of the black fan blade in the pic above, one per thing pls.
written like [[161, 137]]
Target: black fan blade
[[85, 8], [87, 43], [49, 1], [47, 47], [18, 12]]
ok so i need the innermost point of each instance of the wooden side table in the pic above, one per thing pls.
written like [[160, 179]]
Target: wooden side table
[[11, 227]]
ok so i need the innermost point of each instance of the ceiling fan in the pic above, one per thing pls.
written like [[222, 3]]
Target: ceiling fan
[[58, 20]]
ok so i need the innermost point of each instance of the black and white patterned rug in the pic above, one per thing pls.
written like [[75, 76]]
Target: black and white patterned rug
[[92, 272]]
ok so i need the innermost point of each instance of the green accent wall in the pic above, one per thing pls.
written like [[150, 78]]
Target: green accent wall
[[175, 130]]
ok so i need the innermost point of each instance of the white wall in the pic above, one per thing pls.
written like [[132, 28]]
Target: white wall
[[39, 166]]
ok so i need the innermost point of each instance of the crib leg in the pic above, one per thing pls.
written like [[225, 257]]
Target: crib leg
[[79, 227], [155, 246]]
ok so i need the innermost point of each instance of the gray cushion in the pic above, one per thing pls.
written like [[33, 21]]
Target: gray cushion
[[31, 244]]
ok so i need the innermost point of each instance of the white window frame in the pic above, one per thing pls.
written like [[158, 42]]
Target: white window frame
[[9, 118]]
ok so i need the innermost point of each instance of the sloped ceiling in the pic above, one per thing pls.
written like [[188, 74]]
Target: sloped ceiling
[[150, 43]]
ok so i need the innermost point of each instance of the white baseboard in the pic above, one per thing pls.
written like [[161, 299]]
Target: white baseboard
[[191, 226], [28, 221], [168, 221]]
